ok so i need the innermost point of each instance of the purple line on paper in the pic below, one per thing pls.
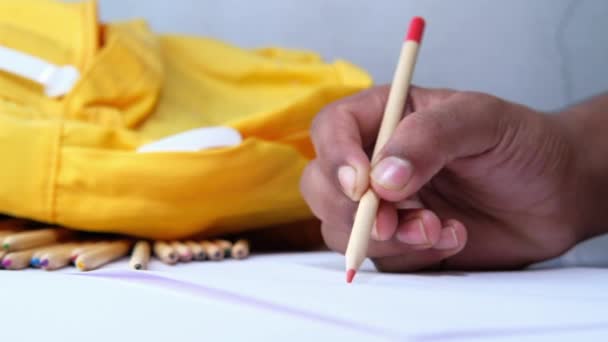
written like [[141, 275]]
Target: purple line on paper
[[239, 299], [224, 295]]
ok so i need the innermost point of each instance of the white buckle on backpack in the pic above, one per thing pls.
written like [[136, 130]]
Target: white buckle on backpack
[[56, 80], [195, 140]]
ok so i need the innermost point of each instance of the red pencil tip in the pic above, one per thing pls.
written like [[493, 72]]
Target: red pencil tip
[[350, 274]]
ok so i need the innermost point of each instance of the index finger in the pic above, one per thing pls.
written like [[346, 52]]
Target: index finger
[[343, 130]]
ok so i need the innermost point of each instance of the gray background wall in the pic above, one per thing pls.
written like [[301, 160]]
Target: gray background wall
[[544, 53]]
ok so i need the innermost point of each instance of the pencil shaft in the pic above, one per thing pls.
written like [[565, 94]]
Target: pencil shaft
[[225, 246], [18, 260], [397, 96], [101, 256], [40, 252], [58, 258], [33, 238], [198, 253], [140, 256], [213, 251], [86, 247], [365, 216], [165, 253], [183, 251], [240, 249]]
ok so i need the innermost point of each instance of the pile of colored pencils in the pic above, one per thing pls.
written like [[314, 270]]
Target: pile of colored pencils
[[52, 248]]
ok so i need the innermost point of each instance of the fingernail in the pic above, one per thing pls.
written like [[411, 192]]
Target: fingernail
[[414, 236], [448, 239], [392, 173], [347, 176]]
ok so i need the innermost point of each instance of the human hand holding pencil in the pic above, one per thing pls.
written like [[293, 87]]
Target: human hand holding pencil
[[466, 181]]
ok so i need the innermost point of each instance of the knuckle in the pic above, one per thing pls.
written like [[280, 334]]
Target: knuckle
[[425, 129], [330, 120]]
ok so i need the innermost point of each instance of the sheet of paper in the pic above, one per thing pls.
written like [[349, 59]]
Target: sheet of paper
[[304, 297]]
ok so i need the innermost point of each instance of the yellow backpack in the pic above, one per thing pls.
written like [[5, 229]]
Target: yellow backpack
[[72, 160]]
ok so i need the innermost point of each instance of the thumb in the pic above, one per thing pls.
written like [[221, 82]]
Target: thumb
[[438, 131]]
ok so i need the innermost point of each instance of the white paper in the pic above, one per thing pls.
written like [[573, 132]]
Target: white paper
[[303, 297]]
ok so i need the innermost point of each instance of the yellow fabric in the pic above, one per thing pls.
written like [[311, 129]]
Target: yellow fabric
[[72, 161]]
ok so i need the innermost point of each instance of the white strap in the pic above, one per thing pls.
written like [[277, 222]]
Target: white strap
[[195, 140], [56, 80]]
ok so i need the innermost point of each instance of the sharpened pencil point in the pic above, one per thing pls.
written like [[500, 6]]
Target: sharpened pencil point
[[6, 246], [137, 266], [350, 274], [6, 263]]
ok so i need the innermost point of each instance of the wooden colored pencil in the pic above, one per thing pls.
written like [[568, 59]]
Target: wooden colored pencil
[[7, 232], [85, 247], [356, 251], [183, 252], [18, 260], [198, 253], [33, 238], [225, 246], [93, 259], [165, 253], [213, 251], [2, 254], [240, 249], [60, 257], [37, 256], [140, 256]]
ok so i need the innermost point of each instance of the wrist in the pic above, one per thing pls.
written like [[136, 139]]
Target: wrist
[[585, 132]]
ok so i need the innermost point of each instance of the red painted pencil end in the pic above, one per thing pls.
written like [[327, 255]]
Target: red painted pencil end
[[416, 29]]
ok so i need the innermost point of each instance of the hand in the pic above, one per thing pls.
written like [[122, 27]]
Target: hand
[[467, 181]]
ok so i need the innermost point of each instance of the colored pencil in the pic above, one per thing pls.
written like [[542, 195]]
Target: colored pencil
[[18, 260], [93, 259], [140, 256], [33, 238], [59, 257], [213, 251], [225, 246], [356, 251], [37, 256], [85, 247], [198, 253], [183, 252], [240, 249], [165, 253]]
